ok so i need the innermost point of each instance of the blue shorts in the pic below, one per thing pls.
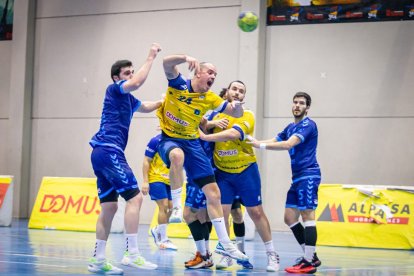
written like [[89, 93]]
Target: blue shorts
[[195, 197], [303, 194], [196, 163], [159, 190], [246, 185], [112, 171]]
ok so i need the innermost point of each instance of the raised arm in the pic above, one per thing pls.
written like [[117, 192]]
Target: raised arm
[[141, 75], [170, 65]]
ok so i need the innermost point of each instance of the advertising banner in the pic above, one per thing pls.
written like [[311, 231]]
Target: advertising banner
[[66, 204], [291, 12], [365, 216]]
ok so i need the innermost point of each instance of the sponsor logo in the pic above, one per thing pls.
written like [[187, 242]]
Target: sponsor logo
[[314, 16], [277, 18], [394, 13], [294, 17], [230, 152], [354, 14], [69, 204], [362, 213], [175, 119]]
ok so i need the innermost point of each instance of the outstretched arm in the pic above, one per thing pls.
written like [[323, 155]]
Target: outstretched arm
[[141, 75], [148, 106], [273, 144], [170, 65], [223, 136]]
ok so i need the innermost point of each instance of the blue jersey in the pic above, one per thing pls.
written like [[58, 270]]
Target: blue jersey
[[118, 108], [303, 155]]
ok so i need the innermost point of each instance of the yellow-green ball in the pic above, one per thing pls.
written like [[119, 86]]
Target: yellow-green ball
[[247, 21]]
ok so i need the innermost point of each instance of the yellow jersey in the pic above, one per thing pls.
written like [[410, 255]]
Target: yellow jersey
[[158, 171], [183, 109], [236, 155]]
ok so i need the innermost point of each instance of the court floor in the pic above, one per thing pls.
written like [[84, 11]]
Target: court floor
[[44, 252]]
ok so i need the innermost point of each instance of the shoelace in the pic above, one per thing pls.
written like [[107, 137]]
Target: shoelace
[[273, 256]]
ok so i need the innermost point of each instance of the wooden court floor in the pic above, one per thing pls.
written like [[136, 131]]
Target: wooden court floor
[[43, 252]]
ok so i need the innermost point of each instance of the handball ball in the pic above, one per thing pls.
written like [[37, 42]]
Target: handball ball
[[247, 21]]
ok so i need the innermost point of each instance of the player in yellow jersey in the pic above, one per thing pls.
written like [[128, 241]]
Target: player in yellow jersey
[[157, 184], [237, 171], [185, 104]]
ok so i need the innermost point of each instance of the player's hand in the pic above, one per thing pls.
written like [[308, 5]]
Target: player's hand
[[154, 50], [221, 123], [202, 135], [145, 188], [237, 104], [254, 143], [193, 64], [203, 124]]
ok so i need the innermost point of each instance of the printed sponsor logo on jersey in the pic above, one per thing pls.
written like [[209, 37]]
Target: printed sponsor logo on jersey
[[230, 152], [175, 119]]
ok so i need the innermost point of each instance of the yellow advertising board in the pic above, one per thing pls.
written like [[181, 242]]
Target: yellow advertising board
[[365, 216], [181, 230], [66, 204]]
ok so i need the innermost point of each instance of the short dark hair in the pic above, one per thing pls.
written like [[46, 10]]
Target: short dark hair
[[116, 67], [304, 95], [223, 92], [239, 81]]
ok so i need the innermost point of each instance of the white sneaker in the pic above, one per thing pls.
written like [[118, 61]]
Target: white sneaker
[[272, 261], [156, 236], [168, 245], [137, 261], [176, 215], [230, 250], [224, 262], [103, 267]]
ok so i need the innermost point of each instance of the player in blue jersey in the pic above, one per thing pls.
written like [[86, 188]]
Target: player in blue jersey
[[114, 175], [180, 115], [300, 138]]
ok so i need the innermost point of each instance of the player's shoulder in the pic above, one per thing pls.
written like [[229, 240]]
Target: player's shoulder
[[248, 112], [308, 122]]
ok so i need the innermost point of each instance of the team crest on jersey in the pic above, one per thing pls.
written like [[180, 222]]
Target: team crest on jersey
[[197, 112]]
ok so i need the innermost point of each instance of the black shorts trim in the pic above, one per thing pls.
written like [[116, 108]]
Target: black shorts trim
[[203, 181]]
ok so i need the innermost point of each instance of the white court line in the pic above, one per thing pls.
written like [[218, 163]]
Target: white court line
[[62, 266], [40, 256], [389, 268]]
